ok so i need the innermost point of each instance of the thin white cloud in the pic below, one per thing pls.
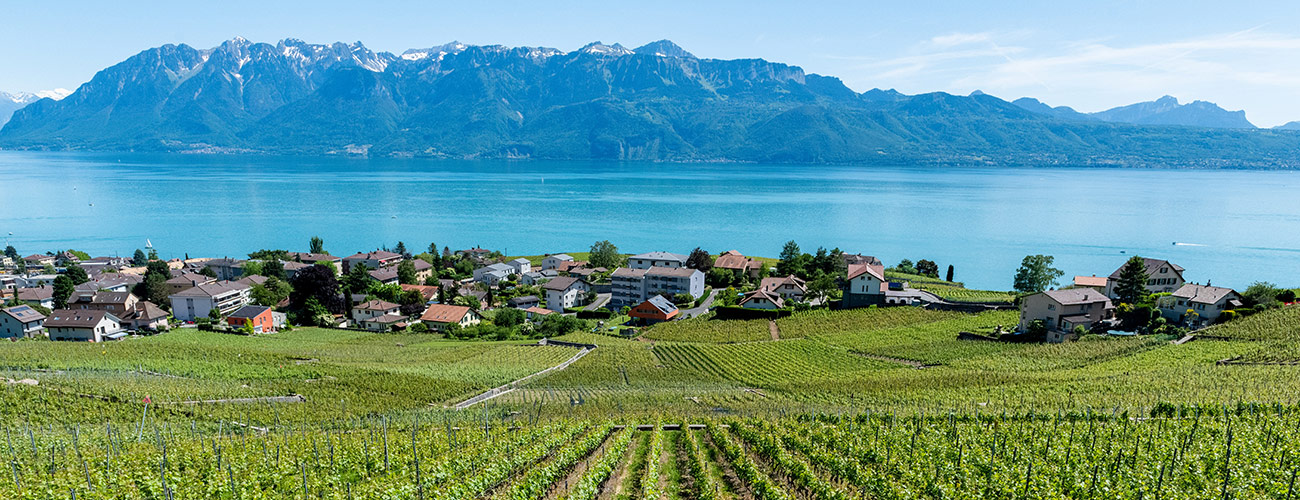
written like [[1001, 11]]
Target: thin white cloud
[[1248, 69]]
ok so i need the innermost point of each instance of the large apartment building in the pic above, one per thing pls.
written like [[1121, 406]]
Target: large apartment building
[[629, 287]]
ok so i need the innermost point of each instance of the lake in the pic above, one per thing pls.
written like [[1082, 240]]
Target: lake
[[1232, 226]]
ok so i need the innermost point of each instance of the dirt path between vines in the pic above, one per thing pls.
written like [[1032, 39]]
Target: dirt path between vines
[[614, 485], [562, 487], [774, 329]]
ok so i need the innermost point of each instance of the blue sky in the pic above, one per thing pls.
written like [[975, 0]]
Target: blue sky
[[1089, 55]]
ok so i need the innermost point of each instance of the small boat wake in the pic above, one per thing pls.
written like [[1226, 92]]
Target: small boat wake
[[1182, 244]]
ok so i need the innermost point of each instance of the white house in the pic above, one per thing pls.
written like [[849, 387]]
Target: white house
[[372, 260], [565, 292], [374, 309], [1198, 305], [762, 299], [195, 302], [789, 288], [656, 259], [83, 325], [538, 277], [20, 322], [865, 286], [493, 273], [554, 261], [520, 266]]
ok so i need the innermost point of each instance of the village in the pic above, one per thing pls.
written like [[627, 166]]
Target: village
[[480, 293]]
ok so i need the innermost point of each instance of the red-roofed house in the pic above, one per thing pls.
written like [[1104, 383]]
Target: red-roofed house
[[440, 316], [865, 286]]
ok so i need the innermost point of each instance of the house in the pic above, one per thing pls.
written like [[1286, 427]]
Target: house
[[656, 309], [41, 296], [566, 267], [524, 302], [373, 260], [1198, 305], [586, 272], [83, 325], [292, 267], [1162, 277], [186, 280], [789, 288], [851, 259], [537, 313], [145, 315], [565, 292], [553, 262], [21, 322], [493, 273], [520, 265], [1094, 282], [224, 296], [904, 297], [318, 258], [117, 303], [440, 316], [732, 260], [252, 280], [37, 261], [36, 280], [629, 287], [656, 259], [423, 269], [475, 253], [258, 316], [66, 258], [1063, 310], [538, 277], [387, 275], [762, 299], [226, 269], [865, 286], [429, 293], [101, 263], [374, 309]]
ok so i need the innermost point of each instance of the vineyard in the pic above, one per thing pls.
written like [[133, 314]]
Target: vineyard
[[868, 403], [1242, 452]]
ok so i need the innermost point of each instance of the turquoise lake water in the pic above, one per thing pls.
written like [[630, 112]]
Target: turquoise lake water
[[1233, 227]]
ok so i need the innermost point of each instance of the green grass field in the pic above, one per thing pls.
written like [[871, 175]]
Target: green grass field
[[875, 403]]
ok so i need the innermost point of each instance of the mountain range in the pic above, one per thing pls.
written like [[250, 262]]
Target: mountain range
[[654, 102], [14, 102]]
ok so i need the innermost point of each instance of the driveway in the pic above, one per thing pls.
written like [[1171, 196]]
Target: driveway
[[703, 308], [601, 300]]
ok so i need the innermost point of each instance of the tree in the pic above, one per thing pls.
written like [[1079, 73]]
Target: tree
[[63, 288], [1036, 274], [838, 267], [265, 254], [154, 288], [139, 259], [1131, 286], [153, 254], [700, 259], [401, 250], [251, 267], [926, 267], [328, 265], [272, 292], [1261, 295], [509, 317], [77, 274], [822, 287], [273, 269], [207, 271], [11, 252], [83, 256], [406, 273], [317, 284], [790, 260], [214, 314], [357, 280], [905, 266], [604, 254], [948, 277], [317, 245], [1286, 296], [720, 278]]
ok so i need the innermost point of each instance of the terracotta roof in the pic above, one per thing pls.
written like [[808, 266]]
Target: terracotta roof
[[427, 291], [24, 313], [538, 310], [561, 284], [776, 282], [1090, 281], [375, 255], [249, 312], [627, 272], [190, 278], [78, 318], [376, 305], [145, 310], [313, 257], [255, 279], [856, 270], [444, 313], [385, 274], [1203, 294], [733, 260]]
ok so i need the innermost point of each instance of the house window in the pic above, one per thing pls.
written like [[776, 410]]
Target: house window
[[1051, 307]]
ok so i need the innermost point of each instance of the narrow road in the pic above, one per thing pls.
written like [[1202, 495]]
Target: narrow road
[[703, 308], [774, 328], [601, 300], [508, 388]]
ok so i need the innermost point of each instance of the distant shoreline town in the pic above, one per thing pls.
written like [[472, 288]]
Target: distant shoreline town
[[481, 293]]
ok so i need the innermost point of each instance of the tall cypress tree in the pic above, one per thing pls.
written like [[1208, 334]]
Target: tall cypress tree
[[1131, 286]]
